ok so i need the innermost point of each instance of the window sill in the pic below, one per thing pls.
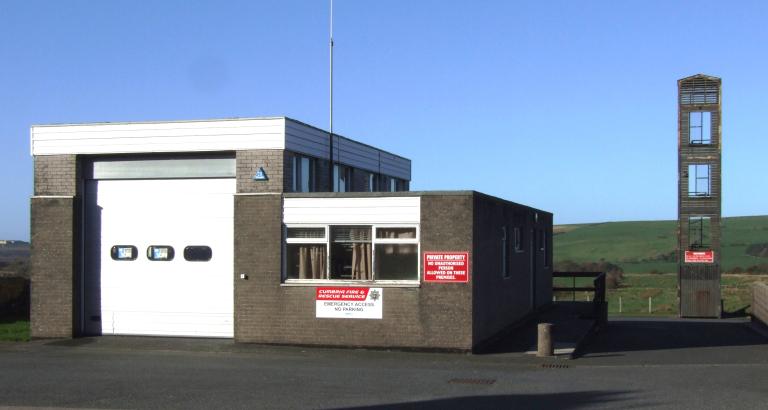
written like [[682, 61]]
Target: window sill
[[347, 283]]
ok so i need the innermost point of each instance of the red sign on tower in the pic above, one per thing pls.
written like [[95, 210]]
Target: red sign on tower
[[699, 256]]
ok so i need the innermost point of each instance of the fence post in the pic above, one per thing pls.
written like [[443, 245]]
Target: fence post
[[650, 304], [620, 310]]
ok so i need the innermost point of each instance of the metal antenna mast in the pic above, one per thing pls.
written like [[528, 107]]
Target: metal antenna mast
[[330, 114]]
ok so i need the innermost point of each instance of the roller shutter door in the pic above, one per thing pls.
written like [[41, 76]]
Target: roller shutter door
[[130, 222]]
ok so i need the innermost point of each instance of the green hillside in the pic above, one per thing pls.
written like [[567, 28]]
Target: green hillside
[[649, 246]]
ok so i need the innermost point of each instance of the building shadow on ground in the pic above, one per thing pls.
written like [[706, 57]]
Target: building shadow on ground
[[569, 400], [641, 334]]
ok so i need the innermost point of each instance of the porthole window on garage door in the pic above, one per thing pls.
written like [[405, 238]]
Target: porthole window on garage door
[[197, 253], [160, 253], [124, 252]]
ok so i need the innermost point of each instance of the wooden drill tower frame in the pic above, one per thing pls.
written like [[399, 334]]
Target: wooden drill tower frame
[[699, 195]]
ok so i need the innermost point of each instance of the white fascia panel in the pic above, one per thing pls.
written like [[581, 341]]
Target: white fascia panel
[[373, 210], [178, 136]]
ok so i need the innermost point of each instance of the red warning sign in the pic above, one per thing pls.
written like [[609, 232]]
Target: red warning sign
[[699, 256], [446, 266]]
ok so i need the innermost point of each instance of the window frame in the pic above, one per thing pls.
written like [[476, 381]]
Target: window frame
[[373, 182], [189, 248], [700, 127], [704, 230], [297, 166], [693, 180], [171, 252], [517, 239], [113, 252], [506, 272], [285, 281], [344, 173]]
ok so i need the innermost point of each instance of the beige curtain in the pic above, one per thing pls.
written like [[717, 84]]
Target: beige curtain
[[312, 262], [361, 261]]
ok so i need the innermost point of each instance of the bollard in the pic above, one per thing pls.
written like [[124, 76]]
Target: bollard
[[545, 345]]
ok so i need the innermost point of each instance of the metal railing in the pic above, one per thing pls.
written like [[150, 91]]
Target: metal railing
[[598, 300]]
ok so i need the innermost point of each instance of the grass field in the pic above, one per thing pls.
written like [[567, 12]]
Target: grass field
[[14, 330], [635, 290], [649, 246]]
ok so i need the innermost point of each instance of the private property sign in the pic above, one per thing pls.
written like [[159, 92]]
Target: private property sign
[[446, 267], [349, 303], [699, 256]]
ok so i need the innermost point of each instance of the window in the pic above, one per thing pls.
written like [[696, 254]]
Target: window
[[700, 127], [518, 239], [391, 184], [504, 253], [397, 254], [373, 182], [352, 253], [699, 180], [160, 253], [699, 230], [303, 174], [198, 253], [124, 252], [351, 256], [306, 255], [342, 178]]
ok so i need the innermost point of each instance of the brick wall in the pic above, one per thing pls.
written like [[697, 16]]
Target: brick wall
[[433, 316], [273, 161], [446, 225], [56, 175], [52, 267], [257, 252], [500, 300]]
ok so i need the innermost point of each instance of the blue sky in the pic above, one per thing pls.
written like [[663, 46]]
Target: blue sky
[[566, 106]]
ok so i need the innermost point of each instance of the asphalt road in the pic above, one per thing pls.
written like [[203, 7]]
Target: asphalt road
[[726, 366]]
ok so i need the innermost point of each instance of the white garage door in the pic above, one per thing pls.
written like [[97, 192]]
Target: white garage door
[[180, 293]]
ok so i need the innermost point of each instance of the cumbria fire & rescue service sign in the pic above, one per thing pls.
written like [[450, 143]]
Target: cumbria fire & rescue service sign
[[446, 267], [349, 303]]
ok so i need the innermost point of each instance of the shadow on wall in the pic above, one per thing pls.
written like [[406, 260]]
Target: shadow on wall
[[571, 400], [623, 335]]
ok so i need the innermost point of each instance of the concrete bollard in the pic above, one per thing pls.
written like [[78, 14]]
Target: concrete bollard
[[545, 345]]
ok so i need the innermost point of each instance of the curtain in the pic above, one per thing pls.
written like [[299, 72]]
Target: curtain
[[312, 262], [361, 261]]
